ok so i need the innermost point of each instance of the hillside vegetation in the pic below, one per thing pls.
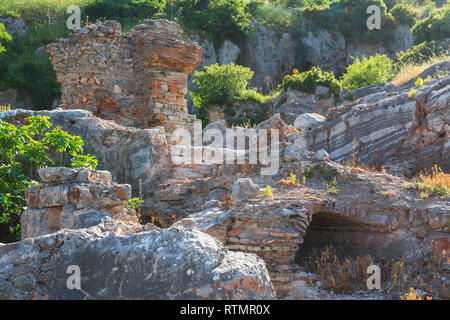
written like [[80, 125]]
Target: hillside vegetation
[[23, 63]]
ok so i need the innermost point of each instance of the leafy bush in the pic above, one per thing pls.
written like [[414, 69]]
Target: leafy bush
[[4, 37], [392, 3], [404, 14], [418, 54], [220, 19], [309, 80], [434, 27], [219, 84], [350, 18], [366, 72], [122, 10], [24, 150], [22, 67]]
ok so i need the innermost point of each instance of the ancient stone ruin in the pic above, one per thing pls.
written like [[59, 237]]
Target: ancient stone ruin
[[138, 79], [236, 241], [121, 258]]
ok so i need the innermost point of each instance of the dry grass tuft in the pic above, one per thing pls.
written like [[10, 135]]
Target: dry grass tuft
[[291, 181], [411, 71], [413, 295], [435, 182]]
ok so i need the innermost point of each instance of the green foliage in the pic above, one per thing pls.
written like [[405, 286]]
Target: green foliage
[[434, 27], [350, 18], [24, 150], [21, 67], [418, 82], [219, 84], [4, 37], [392, 3], [404, 14], [367, 72], [268, 192], [135, 204], [220, 19], [418, 54], [272, 14], [309, 80], [84, 161], [122, 10]]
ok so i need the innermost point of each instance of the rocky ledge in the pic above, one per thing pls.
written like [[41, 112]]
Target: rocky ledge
[[117, 258]]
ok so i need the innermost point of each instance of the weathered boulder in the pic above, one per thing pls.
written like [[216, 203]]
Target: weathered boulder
[[116, 263], [130, 154], [295, 153], [321, 155], [243, 188], [306, 121]]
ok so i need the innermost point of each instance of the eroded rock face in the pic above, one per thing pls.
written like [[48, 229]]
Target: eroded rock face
[[292, 103], [228, 52], [270, 56], [116, 256], [131, 154], [388, 128], [136, 79], [332, 52], [371, 213], [16, 98], [326, 50]]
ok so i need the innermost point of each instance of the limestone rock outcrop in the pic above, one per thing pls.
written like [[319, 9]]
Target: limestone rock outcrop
[[116, 257], [270, 55], [116, 263], [292, 103], [131, 154], [388, 128]]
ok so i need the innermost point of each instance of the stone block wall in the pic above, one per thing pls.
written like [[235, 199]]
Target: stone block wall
[[137, 79], [73, 199]]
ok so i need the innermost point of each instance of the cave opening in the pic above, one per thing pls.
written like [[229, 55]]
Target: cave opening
[[349, 237]]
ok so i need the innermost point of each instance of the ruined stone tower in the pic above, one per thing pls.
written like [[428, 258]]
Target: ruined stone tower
[[137, 79]]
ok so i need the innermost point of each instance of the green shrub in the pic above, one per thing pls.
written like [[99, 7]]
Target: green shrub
[[220, 19], [4, 37], [366, 72], [418, 54], [434, 27], [350, 18], [219, 84], [24, 150], [392, 3], [404, 14], [309, 80], [122, 10]]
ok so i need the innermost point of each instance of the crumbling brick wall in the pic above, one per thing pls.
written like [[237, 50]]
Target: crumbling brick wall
[[137, 79]]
